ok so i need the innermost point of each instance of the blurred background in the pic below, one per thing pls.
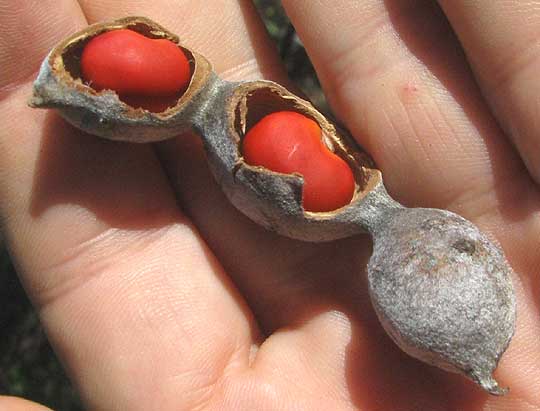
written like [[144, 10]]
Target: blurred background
[[28, 366]]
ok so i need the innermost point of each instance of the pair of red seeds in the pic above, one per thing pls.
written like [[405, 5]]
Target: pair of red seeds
[[153, 73]]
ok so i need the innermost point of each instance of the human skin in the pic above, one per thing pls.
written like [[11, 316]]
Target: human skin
[[158, 295]]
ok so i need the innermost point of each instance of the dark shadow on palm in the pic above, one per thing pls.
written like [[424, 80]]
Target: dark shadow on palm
[[121, 184]]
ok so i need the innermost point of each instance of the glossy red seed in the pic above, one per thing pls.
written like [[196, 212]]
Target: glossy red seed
[[289, 142], [134, 65]]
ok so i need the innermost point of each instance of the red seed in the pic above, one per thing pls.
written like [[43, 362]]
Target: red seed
[[134, 65], [288, 142]]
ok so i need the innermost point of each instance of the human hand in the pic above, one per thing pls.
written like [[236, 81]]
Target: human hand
[[158, 295]]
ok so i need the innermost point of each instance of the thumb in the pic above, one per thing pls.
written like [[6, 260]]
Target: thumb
[[18, 404]]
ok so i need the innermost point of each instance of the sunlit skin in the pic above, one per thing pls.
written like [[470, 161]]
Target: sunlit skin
[[289, 142], [157, 294], [145, 72]]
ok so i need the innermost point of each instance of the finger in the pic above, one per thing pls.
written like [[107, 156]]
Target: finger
[[20, 41], [238, 46], [501, 42], [135, 304], [396, 76], [18, 404], [428, 155]]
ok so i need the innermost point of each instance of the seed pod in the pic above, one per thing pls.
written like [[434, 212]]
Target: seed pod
[[441, 290], [102, 113], [272, 199]]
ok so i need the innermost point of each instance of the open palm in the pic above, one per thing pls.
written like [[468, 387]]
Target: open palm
[[158, 295]]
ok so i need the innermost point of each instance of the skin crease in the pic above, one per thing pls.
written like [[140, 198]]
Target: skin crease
[[151, 307], [288, 142]]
